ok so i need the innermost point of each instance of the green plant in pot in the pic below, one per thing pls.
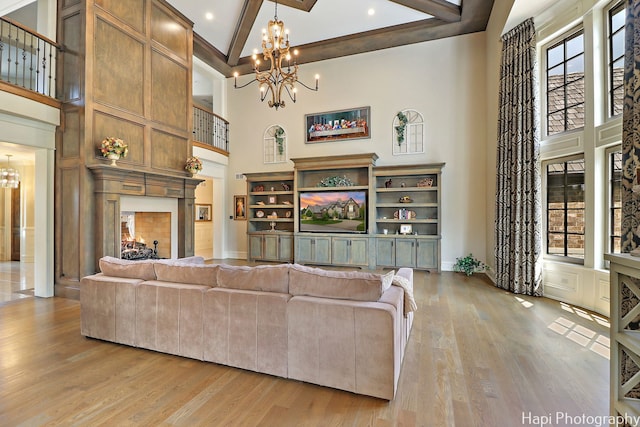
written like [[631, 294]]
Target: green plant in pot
[[469, 265]]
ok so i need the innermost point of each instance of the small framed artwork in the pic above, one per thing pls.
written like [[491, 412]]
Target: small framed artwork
[[240, 203], [338, 125], [273, 200], [203, 212], [406, 229]]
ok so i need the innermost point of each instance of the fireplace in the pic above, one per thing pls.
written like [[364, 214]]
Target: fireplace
[[145, 220], [162, 207], [145, 235]]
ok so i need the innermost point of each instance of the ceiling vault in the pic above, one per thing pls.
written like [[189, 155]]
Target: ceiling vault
[[449, 20]]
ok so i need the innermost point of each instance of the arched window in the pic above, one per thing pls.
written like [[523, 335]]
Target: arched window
[[275, 144], [408, 133]]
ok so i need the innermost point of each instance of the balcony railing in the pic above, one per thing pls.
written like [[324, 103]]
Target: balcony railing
[[27, 59], [210, 130]]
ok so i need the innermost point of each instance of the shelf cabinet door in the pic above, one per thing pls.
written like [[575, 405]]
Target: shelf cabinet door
[[270, 247], [386, 252], [304, 249], [322, 250], [285, 248], [340, 250], [255, 247], [427, 253], [349, 251], [406, 253], [313, 249], [359, 251]]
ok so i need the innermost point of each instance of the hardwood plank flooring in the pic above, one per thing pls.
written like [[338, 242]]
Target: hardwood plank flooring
[[478, 356]]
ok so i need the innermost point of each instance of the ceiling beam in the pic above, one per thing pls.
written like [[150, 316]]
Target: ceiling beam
[[206, 52], [304, 5], [369, 41], [247, 18], [440, 9]]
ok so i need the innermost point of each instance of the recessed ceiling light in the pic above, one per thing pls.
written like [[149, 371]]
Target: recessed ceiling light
[[209, 16], [371, 12]]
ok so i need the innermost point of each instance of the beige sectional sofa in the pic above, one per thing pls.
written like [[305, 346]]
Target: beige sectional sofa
[[346, 330]]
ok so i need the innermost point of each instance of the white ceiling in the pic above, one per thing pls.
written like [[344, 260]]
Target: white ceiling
[[327, 19]]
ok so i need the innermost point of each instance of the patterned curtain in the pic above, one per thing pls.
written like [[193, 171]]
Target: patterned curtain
[[518, 216], [631, 129], [630, 162]]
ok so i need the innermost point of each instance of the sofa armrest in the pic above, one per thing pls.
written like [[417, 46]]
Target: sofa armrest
[[349, 345], [100, 295]]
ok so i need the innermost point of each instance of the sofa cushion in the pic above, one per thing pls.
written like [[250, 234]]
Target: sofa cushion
[[192, 274], [351, 285], [266, 278], [116, 267]]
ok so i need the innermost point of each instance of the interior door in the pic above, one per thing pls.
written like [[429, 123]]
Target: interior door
[[15, 224]]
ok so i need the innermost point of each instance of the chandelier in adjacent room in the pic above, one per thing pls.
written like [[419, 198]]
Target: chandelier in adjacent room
[[9, 177], [276, 80]]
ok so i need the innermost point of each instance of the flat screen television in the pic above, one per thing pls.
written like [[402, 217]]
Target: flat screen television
[[333, 211]]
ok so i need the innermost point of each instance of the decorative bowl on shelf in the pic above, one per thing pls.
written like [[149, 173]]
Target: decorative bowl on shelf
[[405, 199], [427, 182], [259, 214]]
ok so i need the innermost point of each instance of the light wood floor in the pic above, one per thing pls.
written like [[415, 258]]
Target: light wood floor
[[478, 356]]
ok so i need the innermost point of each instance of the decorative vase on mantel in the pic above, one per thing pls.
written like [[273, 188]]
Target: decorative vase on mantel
[[113, 149], [113, 157], [193, 165]]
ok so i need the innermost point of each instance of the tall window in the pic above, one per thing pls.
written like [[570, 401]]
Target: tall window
[[565, 208], [565, 84], [616, 58], [614, 157]]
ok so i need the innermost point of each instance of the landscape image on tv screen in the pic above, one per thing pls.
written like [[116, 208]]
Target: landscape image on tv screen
[[333, 211]]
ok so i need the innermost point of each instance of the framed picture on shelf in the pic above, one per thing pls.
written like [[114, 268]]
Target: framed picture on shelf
[[273, 200], [203, 212], [240, 203], [338, 125], [406, 229]]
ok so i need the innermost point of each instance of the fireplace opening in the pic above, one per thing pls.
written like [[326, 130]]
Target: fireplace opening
[[145, 235]]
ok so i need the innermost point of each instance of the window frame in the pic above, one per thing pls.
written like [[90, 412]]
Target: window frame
[[562, 40], [547, 255], [608, 206], [609, 12]]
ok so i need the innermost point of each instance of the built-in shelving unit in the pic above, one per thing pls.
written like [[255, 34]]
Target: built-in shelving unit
[[270, 216], [349, 173], [407, 216], [403, 200]]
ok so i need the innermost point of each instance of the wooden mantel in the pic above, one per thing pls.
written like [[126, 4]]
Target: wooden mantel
[[112, 182]]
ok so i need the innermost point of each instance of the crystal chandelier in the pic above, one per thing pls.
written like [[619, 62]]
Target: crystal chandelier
[[276, 80], [9, 177]]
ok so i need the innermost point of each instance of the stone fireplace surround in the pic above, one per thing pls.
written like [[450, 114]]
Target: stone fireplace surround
[[111, 183]]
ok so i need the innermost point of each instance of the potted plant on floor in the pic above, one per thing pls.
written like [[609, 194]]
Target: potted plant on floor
[[469, 265]]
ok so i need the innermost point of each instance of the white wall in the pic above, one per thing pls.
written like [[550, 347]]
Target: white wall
[[442, 79]]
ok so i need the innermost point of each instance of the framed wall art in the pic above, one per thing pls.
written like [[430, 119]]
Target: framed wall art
[[240, 203], [338, 125], [203, 212]]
